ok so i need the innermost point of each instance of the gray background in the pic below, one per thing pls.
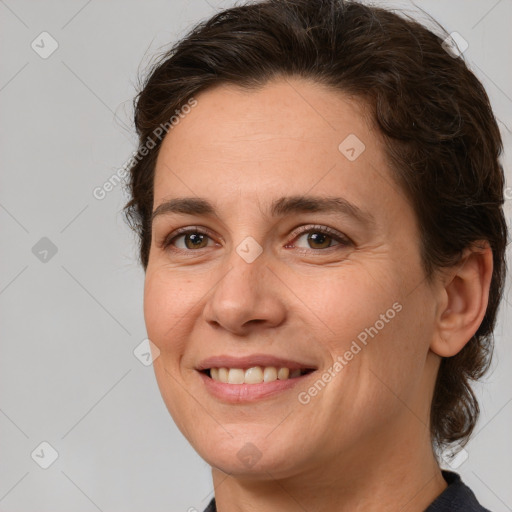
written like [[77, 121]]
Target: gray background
[[70, 324]]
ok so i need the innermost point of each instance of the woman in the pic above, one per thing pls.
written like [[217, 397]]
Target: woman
[[319, 203]]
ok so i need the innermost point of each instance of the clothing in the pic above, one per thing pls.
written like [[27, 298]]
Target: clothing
[[457, 497]]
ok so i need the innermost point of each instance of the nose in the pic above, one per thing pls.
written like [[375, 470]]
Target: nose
[[247, 295]]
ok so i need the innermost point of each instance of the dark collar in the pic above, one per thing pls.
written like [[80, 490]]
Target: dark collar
[[457, 497]]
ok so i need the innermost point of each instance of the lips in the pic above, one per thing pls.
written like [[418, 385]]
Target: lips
[[245, 379]]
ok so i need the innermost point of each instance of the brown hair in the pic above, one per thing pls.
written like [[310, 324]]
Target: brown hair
[[442, 139]]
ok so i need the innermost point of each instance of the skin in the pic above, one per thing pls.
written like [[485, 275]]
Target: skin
[[362, 443]]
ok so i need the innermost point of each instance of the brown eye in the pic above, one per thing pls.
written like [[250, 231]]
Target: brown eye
[[321, 237], [319, 240], [195, 240], [192, 239]]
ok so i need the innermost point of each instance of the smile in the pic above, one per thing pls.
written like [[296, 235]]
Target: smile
[[255, 374], [249, 384]]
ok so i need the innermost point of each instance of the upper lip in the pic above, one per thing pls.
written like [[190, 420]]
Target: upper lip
[[225, 361]]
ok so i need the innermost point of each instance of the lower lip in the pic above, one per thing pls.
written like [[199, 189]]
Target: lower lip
[[243, 393]]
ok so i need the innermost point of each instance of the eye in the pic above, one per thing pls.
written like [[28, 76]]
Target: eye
[[321, 237], [193, 238], [318, 237]]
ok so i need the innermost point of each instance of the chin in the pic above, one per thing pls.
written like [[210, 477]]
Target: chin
[[255, 456]]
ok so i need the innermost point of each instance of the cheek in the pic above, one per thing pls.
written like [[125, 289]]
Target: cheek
[[166, 313], [167, 305], [393, 362], [377, 328], [345, 306]]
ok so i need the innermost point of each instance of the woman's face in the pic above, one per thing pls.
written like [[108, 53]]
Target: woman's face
[[268, 280]]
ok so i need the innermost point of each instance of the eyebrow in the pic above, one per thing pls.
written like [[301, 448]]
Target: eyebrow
[[280, 207]]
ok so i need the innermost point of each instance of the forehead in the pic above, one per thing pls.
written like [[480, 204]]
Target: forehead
[[290, 135], [283, 109]]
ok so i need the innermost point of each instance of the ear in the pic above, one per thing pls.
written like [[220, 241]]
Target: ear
[[464, 295]]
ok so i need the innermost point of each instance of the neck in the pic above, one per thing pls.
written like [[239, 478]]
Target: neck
[[390, 474]]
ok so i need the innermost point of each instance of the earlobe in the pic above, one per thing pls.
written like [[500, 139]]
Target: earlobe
[[465, 296]]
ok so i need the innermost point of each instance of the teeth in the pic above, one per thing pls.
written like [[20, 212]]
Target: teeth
[[283, 373], [236, 376], [269, 374], [223, 374], [254, 375]]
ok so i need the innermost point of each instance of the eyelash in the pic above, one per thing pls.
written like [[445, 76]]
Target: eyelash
[[342, 240]]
